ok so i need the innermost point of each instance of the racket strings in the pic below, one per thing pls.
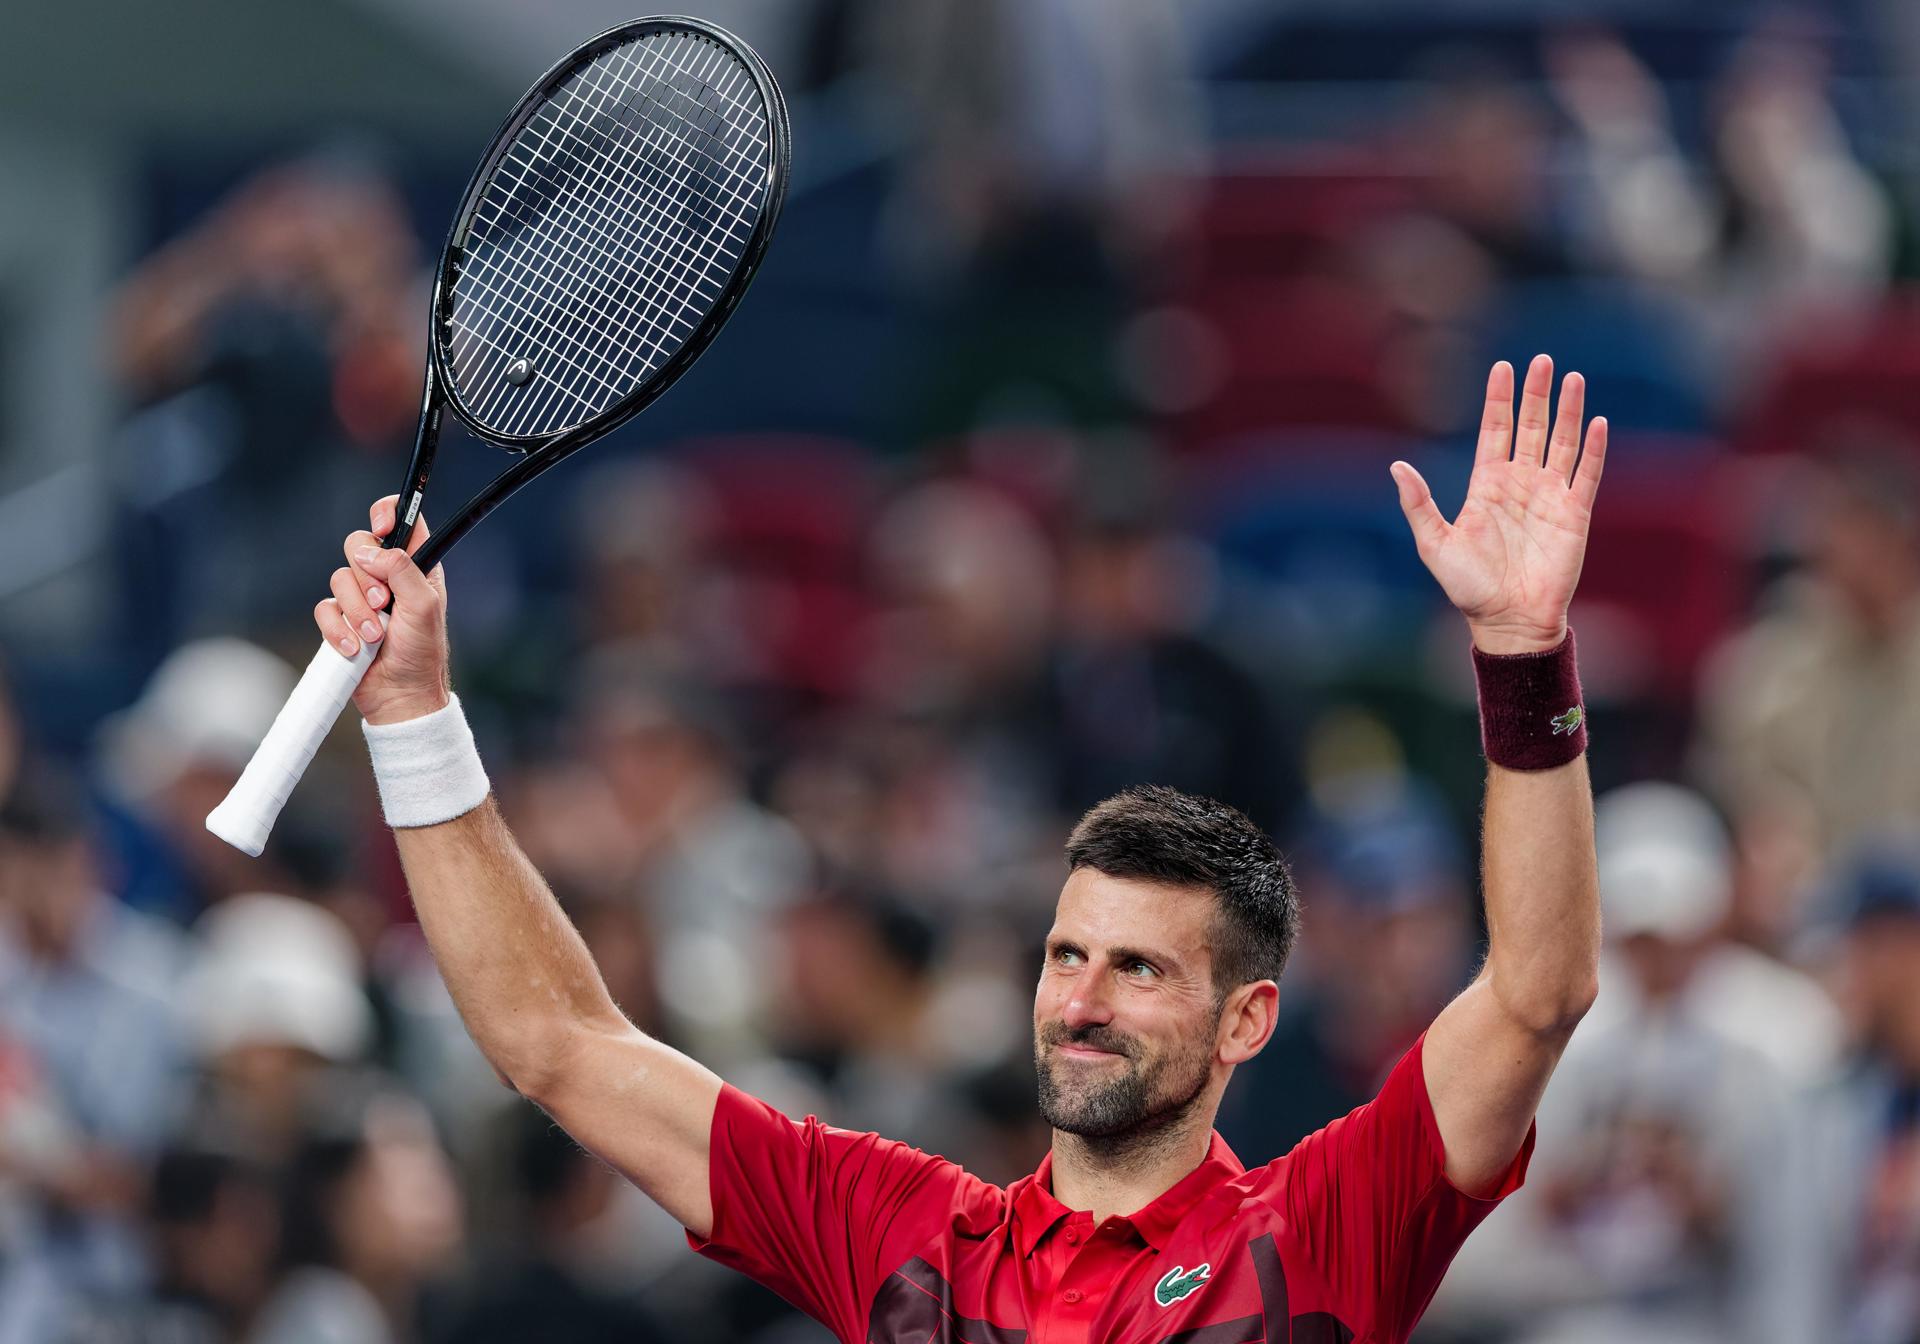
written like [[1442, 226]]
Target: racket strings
[[589, 93], [608, 231]]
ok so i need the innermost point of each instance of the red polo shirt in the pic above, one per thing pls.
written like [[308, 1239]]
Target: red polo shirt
[[1344, 1238]]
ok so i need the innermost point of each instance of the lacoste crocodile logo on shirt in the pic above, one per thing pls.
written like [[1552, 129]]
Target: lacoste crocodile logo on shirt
[[1180, 1282]]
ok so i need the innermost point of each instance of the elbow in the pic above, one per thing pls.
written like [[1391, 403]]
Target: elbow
[[1550, 1008], [532, 1061], [545, 1061]]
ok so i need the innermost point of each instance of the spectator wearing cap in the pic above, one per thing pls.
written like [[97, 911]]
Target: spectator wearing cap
[[168, 758], [1385, 943], [1868, 1215], [90, 1060], [1675, 1166], [277, 1017]]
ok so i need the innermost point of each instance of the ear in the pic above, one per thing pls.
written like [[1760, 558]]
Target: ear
[[1247, 1021]]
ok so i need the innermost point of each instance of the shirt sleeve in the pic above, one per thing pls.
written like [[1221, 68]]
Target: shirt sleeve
[[1369, 1198], [818, 1214]]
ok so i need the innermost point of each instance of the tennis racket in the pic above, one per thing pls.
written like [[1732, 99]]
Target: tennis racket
[[608, 233]]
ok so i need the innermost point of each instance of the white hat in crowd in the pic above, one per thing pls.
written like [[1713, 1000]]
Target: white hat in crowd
[[1666, 867], [274, 970]]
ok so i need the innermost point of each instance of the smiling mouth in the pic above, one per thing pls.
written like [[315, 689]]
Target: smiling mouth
[[1087, 1052]]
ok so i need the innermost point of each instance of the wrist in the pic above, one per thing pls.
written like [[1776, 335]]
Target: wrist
[[401, 706], [426, 767], [1532, 713], [1506, 639]]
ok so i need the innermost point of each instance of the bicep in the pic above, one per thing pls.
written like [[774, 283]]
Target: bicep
[[643, 1108], [1485, 1075]]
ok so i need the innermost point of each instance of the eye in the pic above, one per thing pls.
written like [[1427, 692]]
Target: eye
[[1066, 956], [1138, 969]]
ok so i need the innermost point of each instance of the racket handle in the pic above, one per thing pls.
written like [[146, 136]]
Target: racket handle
[[245, 818]]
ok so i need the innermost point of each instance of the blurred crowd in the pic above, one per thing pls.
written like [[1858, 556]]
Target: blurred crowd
[[795, 722]]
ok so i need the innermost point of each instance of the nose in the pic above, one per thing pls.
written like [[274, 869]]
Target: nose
[[1089, 1005]]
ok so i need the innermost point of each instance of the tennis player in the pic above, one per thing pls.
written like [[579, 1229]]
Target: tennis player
[[1172, 928]]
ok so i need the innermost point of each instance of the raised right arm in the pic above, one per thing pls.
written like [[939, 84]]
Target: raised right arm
[[521, 976], [536, 1005]]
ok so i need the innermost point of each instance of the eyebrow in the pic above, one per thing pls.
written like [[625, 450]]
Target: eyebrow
[[1164, 960], [1161, 959]]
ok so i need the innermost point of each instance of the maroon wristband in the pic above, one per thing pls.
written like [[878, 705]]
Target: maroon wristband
[[1531, 714]]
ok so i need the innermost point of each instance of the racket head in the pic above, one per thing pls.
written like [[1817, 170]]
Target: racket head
[[612, 226]]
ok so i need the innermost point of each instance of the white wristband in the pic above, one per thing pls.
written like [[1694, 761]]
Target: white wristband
[[427, 768]]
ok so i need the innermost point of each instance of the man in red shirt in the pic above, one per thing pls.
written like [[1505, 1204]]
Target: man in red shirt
[[1160, 977]]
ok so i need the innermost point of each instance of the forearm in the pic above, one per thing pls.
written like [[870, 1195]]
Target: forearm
[[1542, 893], [516, 967]]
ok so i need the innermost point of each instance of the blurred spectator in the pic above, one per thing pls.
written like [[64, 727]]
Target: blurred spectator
[[643, 532], [1043, 124], [863, 1009], [372, 1218], [968, 587], [169, 758], [1868, 1214], [215, 1230], [1806, 717], [277, 1014], [553, 1286], [1386, 941], [283, 327], [708, 863], [1671, 1186], [1053, 148], [1483, 139], [90, 1061], [1136, 694], [1646, 212], [1803, 225]]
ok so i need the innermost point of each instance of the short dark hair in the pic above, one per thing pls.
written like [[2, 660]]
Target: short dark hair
[[1157, 834]]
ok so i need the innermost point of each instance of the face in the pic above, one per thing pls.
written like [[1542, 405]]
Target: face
[[1127, 1034]]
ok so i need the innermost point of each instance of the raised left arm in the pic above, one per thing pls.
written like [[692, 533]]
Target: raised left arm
[[1510, 562]]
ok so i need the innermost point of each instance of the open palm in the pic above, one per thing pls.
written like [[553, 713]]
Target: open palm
[[1510, 561]]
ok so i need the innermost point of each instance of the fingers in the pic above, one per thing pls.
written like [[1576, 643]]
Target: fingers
[[1593, 459], [1565, 443], [334, 628], [372, 590], [1496, 421], [380, 518], [398, 572], [1530, 438], [1416, 501], [350, 594]]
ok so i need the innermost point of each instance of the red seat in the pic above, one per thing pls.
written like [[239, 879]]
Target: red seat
[[1836, 372], [789, 531], [1666, 573]]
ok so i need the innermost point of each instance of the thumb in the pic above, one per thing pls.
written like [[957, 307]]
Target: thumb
[[409, 586], [1416, 501]]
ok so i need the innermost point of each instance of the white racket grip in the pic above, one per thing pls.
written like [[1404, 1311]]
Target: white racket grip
[[245, 818]]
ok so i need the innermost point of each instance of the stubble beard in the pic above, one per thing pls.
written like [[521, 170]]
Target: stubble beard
[[1131, 1110]]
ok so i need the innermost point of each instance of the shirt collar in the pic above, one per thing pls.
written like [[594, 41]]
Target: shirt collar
[[1036, 1212]]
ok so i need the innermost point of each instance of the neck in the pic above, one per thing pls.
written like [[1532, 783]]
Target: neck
[[1127, 1172]]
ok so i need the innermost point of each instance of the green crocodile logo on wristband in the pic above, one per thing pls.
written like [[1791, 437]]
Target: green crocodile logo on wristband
[[1568, 723]]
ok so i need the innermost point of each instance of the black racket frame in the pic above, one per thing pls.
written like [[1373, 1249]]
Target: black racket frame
[[539, 452]]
